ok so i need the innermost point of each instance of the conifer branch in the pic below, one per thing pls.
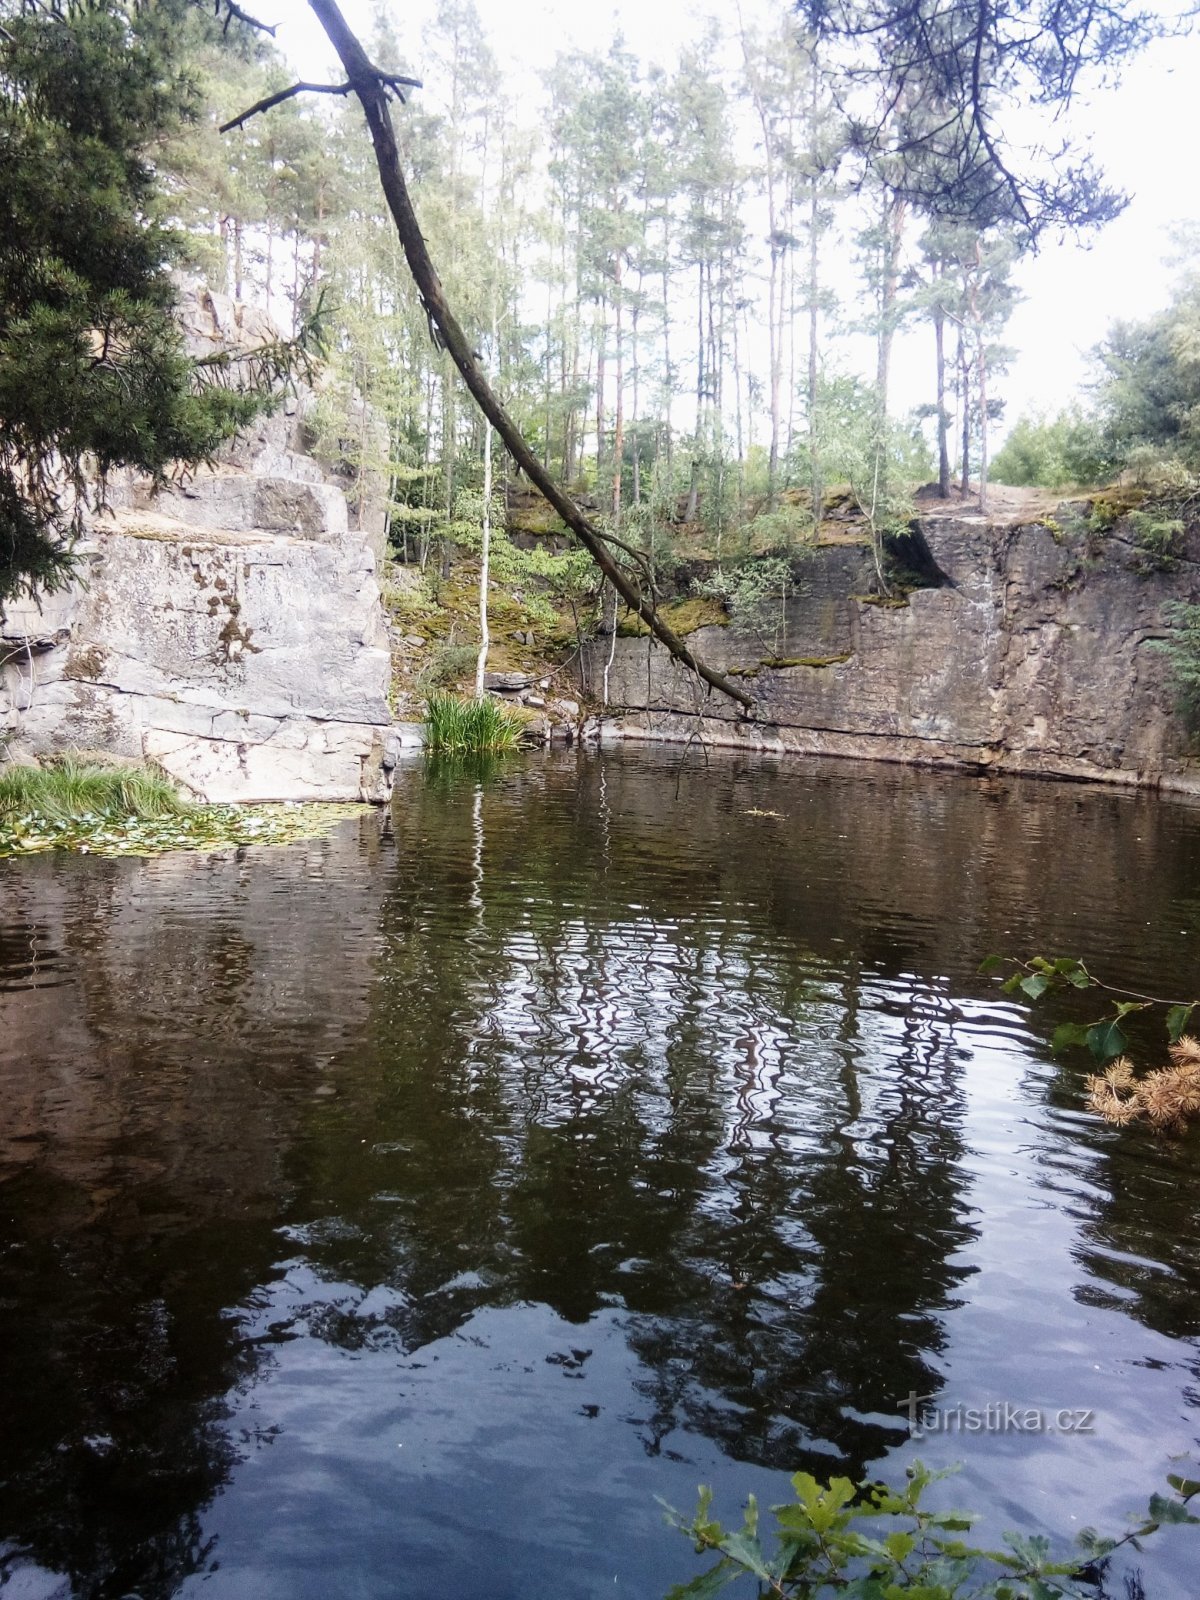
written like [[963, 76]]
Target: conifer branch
[[393, 82]]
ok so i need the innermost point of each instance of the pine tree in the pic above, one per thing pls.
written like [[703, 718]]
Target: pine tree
[[93, 374]]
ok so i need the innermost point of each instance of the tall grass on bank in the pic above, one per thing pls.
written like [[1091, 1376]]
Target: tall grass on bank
[[88, 806], [68, 790], [464, 726]]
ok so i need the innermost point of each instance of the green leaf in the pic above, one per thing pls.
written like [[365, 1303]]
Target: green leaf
[[1066, 1035], [707, 1584], [1187, 1487], [1035, 985], [991, 964], [747, 1552], [1178, 1018], [1095, 1545], [1030, 1549], [918, 1591], [1106, 1040], [1124, 1007], [1164, 1510], [900, 1545], [952, 1521]]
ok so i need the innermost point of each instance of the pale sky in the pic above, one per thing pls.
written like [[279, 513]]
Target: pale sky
[[1144, 136]]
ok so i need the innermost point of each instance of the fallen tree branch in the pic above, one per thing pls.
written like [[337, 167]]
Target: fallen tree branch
[[370, 85]]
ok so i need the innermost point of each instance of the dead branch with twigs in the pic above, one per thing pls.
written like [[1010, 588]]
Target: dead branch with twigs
[[374, 88]]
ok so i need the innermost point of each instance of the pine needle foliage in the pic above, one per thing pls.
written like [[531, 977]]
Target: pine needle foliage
[[93, 371], [1167, 1098]]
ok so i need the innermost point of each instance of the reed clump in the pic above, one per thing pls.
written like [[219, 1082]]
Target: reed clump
[[463, 727]]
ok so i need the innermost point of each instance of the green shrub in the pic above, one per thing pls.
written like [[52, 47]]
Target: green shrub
[[1159, 540], [454, 725], [1055, 452], [450, 663], [868, 1542]]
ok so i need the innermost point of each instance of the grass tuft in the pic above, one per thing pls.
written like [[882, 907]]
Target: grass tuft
[[470, 725], [107, 810], [69, 790]]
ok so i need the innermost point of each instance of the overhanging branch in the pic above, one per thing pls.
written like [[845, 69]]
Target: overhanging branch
[[371, 86]]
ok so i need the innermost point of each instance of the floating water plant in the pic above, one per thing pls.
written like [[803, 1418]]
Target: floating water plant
[[454, 725], [136, 811]]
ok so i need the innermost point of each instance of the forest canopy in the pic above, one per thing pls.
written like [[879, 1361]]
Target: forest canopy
[[672, 273]]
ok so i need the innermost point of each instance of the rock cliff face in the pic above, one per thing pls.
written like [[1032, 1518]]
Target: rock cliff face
[[229, 629], [1034, 654]]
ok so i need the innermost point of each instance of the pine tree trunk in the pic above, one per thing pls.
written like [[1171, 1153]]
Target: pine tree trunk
[[486, 531], [693, 499], [943, 418], [619, 421], [602, 338], [667, 381], [964, 393], [548, 364], [637, 372], [816, 483]]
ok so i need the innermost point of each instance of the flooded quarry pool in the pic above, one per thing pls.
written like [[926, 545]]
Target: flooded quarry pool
[[399, 1214]]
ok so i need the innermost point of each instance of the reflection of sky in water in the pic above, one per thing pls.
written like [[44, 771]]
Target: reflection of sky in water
[[404, 1212]]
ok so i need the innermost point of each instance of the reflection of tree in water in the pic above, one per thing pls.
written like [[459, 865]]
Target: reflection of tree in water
[[621, 1089], [1139, 1195], [114, 1406], [152, 1071], [595, 1050]]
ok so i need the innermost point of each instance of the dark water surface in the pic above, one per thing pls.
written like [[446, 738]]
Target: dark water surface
[[396, 1215]]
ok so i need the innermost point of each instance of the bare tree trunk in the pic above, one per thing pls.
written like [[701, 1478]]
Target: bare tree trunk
[[667, 381], [981, 371], [637, 372], [964, 395], [485, 556], [816, 482], [943, 416], [737, 415], [601, 352], [693, 499], [619, 421], [549, 356], [775, 356]]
